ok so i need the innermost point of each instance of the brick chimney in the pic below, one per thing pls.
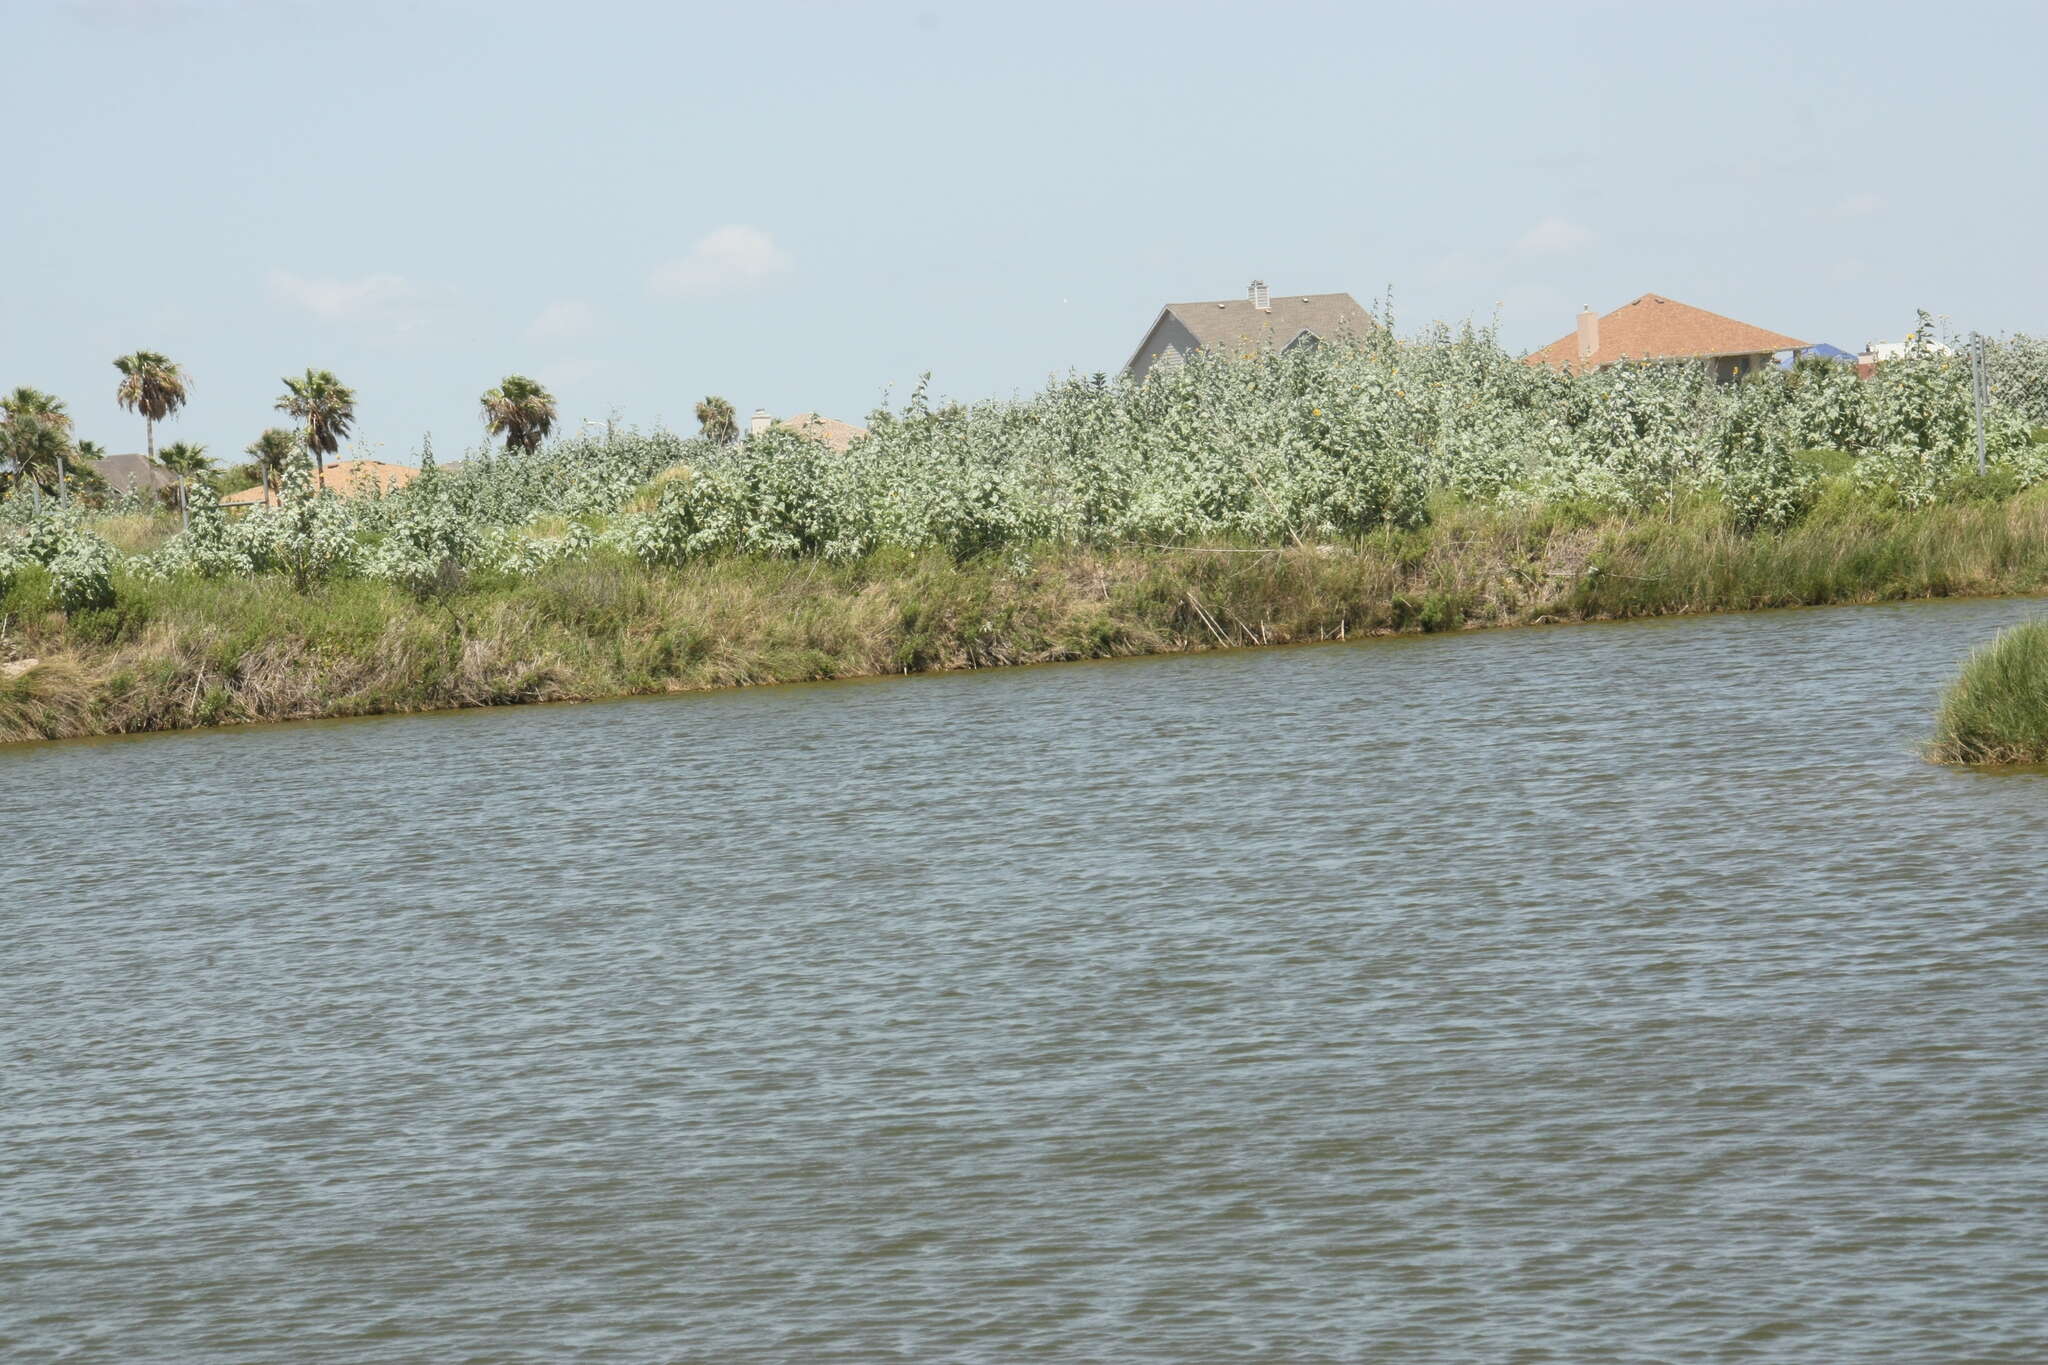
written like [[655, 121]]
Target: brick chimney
[[1589, 332], [1261, 300], [759, 422]]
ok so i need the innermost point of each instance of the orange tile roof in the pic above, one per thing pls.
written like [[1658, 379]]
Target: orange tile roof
[[344, 477], [1656, 328]]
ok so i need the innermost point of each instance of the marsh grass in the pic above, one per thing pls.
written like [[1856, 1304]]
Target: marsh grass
[[189, 651], [1996, 711], [136, 533]]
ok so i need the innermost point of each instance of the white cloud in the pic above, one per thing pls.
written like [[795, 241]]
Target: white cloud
[[372, 298], [1860, 205], [1553, 237], [564, 320], [726, 261]]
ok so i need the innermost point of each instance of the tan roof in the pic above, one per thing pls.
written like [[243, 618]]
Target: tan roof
[[346, 478], [1656, 328], [835, 434]]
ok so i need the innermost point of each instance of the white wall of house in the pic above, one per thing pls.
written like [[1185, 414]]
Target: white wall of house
[[1897, 350], [1166, 333]]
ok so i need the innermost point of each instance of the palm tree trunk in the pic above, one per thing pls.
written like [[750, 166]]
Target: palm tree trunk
[[149, 431], [63, 488], [184, 517]]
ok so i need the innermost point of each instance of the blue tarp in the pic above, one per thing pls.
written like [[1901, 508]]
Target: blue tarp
[[1820, 349]]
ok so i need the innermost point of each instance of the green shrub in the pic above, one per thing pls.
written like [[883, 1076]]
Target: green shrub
[[1996, 484], [1356, 439], [1826, 462], [25, 589]]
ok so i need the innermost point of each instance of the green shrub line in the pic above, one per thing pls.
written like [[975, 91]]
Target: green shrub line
[[1316, 444], [189, 650], [1368, 484], [1996, 711]]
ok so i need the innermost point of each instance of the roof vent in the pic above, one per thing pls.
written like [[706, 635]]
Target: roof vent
[[1260, 299]]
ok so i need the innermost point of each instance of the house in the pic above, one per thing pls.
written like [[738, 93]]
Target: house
[[1875, 353], [832, 433], [1260, 321], [127, 474], [1656, 328], [344, 478]]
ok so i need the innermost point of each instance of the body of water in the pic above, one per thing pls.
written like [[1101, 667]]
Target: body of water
[[1602, 993]]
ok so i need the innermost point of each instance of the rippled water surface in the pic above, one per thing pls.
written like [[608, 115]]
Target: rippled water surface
[[1583, 994]]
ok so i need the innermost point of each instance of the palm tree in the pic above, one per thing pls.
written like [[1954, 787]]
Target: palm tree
[[33, 448], [185, 459], [715, 418], [36, 450], [521, 411], [38, 436], [273, 451], [327, 407], [28, 450], [153, 385]]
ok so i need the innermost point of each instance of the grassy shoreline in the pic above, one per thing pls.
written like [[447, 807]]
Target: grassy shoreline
[[198, 652]]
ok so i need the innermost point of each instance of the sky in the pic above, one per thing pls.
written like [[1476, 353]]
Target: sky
[[803, 206]]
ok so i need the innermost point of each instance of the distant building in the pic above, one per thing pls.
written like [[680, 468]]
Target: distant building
[[1898, 350], [1656, 328], [1260, 320], [127, 474], [1877, 351], [834, 434], [345, 478]]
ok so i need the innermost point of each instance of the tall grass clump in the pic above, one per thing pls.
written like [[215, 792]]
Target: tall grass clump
[[1996, 711]]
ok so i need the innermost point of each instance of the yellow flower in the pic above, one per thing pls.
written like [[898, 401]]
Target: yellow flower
[[1315, 412]]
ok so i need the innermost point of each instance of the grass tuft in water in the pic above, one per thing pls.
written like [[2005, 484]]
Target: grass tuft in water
[[1996, 711]]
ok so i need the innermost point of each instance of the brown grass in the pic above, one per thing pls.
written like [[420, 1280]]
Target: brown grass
[[196, 652], [136, 533]]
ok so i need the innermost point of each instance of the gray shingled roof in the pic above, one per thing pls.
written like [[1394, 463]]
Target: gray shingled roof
[[125, 473], [1223, 322]]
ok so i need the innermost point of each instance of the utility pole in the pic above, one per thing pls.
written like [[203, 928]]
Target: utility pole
[[1980, 391]]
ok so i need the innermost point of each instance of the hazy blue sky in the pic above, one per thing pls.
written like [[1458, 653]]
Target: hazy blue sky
[[795, 205]]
